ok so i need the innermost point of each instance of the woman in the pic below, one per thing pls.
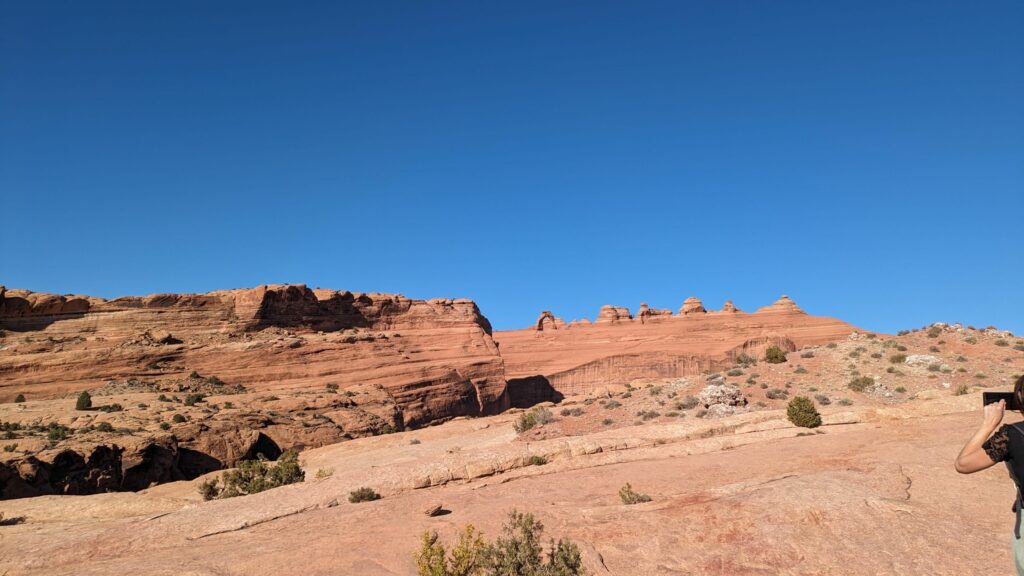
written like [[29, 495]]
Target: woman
[[1007, 445]]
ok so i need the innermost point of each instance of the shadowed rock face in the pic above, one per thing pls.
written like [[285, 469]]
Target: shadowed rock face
[[618, 349]]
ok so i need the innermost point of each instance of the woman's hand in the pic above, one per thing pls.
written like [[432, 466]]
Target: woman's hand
[[994, 414]]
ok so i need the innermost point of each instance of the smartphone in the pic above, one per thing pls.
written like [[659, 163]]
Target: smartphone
[[993, 397]]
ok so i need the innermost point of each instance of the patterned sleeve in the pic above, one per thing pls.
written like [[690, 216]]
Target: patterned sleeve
[[998, 446]]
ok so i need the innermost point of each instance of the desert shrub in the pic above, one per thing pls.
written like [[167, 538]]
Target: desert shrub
[[532, 419], [901, 348], [854, 354], [800, 370], [831, 345], [801, 412], [807, 354], [1018, 347], [536, 460], [571, 412], [654, 390], [934, 349], [209, 489], [1001, 342], [518, 551], [612, 404], [971, 340], [56, 432], [628, 496], [84, 401], [861, 383], [980, 375], [195, 375], [746, 360], [363, 494], [332, 388], [822, 399], [163, 398], [192, 399], [774, 355], [876, 355], [901, 389], [764, 386], [115, 407], [415, 441], [734, 372], [687, 403], [961, 390], [845, 402], [253, 476], [387, 428], [700, 413], [898, 358], [777, 394], [165, 426], [934, 367], [177, 418], [323, 473], [105, 427], [10, 448], [19, 398], [934, 332], [903, 332], [607, 422]]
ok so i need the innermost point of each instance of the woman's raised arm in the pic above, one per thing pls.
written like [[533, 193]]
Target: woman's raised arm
[[973, 457]]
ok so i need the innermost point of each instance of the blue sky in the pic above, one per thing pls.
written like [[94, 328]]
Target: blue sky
[[866, 158]]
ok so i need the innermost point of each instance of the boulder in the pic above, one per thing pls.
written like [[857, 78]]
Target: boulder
[[727, 394]]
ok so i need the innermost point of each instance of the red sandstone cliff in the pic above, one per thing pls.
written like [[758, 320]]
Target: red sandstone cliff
[[434, 358], [540, 364]]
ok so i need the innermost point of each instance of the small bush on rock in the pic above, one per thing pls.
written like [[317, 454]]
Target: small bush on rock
[[254, 476], [19, 398], [363, 494], [861, 383], [518, 552], [801, 412], [628, 496], [84, 401], [532, 419], [774, 355]]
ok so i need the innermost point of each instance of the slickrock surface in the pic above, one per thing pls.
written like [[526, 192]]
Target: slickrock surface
[[869, 493], [617, 348]]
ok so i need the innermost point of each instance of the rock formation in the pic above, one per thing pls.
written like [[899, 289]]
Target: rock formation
[[612, 314], [646, 313], [615, 351], [784, 305], [692, 305], [729, 308], [386, 361]]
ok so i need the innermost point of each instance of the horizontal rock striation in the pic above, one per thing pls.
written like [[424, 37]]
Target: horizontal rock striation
[[618, 349], [436, 358]]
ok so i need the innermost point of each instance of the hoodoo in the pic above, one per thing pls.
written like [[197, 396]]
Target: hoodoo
[[692, 305]]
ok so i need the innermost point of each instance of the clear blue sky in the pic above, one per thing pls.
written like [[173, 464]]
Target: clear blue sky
[[866, 158]]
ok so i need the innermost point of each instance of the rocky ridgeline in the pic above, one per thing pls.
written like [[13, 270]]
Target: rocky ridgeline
[[299, 368], [555, 358]]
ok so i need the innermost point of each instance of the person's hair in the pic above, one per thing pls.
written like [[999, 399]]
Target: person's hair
[[1018, 393]]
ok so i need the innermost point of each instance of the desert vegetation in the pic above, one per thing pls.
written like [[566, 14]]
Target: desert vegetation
[[518, 551]]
